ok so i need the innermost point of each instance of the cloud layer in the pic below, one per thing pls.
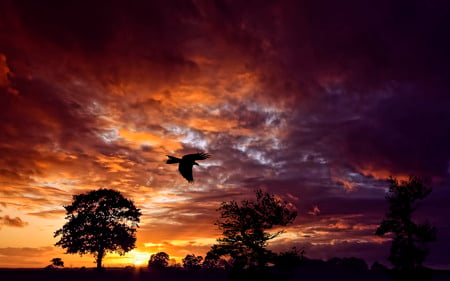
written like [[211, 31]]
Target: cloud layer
[[318, 102]]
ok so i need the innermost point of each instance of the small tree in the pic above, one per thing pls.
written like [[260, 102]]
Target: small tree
[[192, 261], [57, 262], [244, 228], [159, 260], [99, 221], [409, 244]]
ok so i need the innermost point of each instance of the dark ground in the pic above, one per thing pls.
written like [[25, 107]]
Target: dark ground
[[202, 275]]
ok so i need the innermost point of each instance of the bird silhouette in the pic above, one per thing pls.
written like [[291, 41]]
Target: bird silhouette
[[186, 163]]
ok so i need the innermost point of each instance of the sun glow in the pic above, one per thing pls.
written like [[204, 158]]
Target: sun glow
[[139, 258]]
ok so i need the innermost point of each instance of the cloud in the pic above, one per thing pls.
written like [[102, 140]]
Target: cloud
[[49, 214], [315, 211], [5, 74], [12, 222], [22, 251], [319, 103]]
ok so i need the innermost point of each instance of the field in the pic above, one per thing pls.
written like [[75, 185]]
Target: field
[[201, 275]]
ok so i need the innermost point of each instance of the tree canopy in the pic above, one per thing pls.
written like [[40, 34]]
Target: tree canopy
[[159, 260], [409, 244], [98, 222], [192, 261], [244, 228], [57, 262]]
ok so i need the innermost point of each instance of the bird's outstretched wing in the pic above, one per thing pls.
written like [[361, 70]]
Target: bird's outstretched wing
[[196, 156], [186, 171]]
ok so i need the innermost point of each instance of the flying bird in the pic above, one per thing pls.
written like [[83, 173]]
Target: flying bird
[[186, 163]]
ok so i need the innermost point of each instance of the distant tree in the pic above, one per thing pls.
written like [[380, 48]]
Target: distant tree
[[57, 262], [159, 260], [99, 221], [409, 245], [376, 266], [289, 259], [351, 264], [244, 228], [192, 261], [49, 267], [213, 261]]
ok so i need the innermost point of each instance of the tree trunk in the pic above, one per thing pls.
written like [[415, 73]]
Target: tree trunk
[[100, 255]]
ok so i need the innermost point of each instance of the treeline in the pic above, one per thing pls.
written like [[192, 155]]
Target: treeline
[[103, 221], [283, 261]]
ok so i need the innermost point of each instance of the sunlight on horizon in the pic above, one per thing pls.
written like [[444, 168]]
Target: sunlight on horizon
[[139, 258]]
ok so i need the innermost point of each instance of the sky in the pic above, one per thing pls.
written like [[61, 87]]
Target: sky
[[318, 102]]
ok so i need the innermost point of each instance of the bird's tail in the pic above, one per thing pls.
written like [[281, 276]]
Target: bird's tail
[[172, 160]]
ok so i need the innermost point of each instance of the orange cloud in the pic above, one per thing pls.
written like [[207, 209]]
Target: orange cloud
[[212, 124], [195, 95], [381, 174], [138, 139], [315, 211], [13, 222], [348, 185], [114, 164]]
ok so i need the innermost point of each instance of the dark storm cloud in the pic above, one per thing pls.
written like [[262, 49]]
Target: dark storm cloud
[[404, 135], [60, 22], [367, 77], [385, 99], [315, 101]]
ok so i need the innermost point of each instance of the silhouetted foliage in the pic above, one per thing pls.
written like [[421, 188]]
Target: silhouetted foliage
[[303, 273], [50, 267], [351, 264], [313, 264], [213, 261], [57, 262], [409, 245], [376, 266], [99, 221], [244, 228], [159, 260], [192, 261], [290, 259]]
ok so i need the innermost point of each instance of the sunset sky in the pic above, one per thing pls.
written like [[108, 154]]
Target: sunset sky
[[316, 101]]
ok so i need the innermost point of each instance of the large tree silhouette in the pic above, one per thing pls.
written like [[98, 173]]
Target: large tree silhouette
[[244, 228], [409, 245], [99, 221], [159, 260]]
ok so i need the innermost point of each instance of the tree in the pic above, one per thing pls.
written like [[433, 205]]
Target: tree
[[244, 228], [409, 245], [352, 264], [57, 262], [213, 261], [192, 261], [290, 259], [159, 260], [99, 221]]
